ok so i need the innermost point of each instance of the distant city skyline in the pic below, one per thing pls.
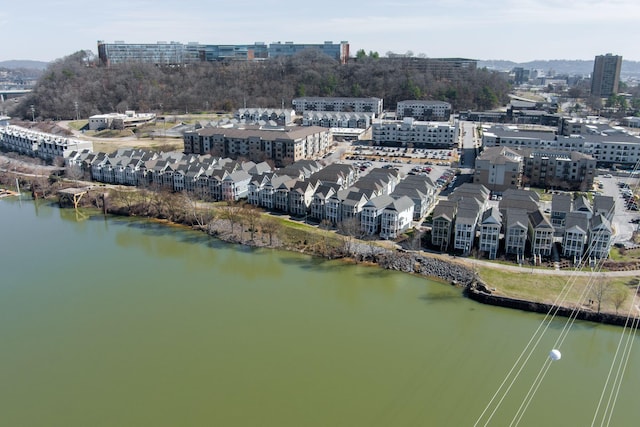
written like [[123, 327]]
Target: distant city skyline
[[515, 30]]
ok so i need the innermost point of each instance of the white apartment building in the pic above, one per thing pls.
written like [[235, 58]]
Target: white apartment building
[[411, 131], [356, 105], [424, 110], [606, 146]]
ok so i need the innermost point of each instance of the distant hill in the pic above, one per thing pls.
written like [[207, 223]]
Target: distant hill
[[24, 63], [561, 66]]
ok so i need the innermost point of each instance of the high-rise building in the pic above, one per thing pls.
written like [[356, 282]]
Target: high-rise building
[[606, 75]]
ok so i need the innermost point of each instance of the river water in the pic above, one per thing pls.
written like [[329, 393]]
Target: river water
[[125, 322]]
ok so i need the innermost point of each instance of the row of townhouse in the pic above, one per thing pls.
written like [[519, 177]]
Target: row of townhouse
[[209, 177], [608, 146], [379, 203], [305, 188], [416, 133], [520, 225], [281, 117], [329, 119], [282, 145], [39, 144]]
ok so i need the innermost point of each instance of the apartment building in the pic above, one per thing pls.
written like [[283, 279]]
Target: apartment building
[[499, 169], [176, 53], [606, 75], [416, 133], [424, 110], [329, 119], [341, 104], [283, 146], [608, 146], [566, 171]]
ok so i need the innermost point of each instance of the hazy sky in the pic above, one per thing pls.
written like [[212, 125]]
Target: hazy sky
[[517, 30]]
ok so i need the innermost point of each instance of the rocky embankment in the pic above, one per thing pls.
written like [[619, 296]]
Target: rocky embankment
[[410, 262]]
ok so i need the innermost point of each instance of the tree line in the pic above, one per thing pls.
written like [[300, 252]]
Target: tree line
[[78, 86]]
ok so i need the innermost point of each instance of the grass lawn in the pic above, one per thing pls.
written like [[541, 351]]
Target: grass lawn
[[546, 288], [624, 255], [78, 124]]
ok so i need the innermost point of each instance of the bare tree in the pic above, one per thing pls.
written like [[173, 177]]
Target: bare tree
[[125, 197], [270, 226], [252, 216], [231, 212], [74, 172], [618, 297], [200, 214], [350, 230], [325, 225], [600, 291]]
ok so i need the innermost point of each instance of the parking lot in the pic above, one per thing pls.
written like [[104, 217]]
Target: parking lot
[[624, 219]]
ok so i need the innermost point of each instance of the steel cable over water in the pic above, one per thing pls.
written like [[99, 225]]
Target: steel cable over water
[[535, 339]]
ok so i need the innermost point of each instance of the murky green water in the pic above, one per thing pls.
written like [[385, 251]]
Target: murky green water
[[118, 322]]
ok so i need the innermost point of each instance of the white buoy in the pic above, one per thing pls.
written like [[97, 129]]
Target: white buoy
[[555, 354]]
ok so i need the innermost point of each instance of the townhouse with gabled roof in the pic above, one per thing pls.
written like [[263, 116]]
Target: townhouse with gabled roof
[[540, 234], [561, 205], [337, 173], [371, 213], [235, 185], [576, 232], [466, 221], [490, 227], [302, 169], [444, 213], [254, 190], [421, 190], [352, 203], [604, 205], [282, 194], [515, 231], [396, 218], [320, 199], [582, 204], [281, 117], [600, 233], [300, 197]]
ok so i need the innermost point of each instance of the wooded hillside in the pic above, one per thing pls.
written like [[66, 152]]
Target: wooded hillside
[[75, 85]]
